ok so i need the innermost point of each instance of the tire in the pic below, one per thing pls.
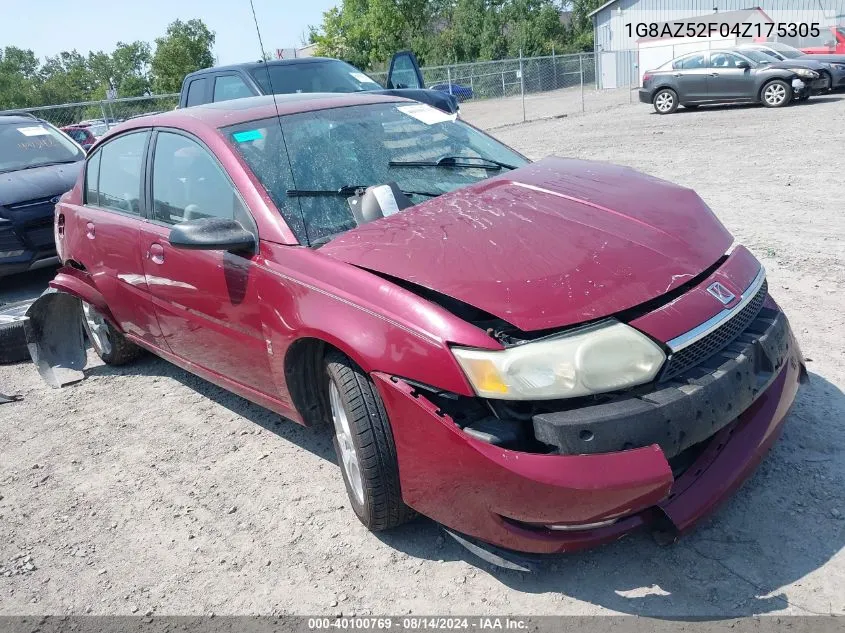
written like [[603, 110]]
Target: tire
[[13, 347], [665, 101], [364, 445], [829, 77], [111, 346], [776, 94]]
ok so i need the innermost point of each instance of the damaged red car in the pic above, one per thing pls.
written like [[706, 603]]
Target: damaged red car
[[543, 356]]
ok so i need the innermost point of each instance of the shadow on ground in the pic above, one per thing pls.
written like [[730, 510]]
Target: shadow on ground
[[775, 531]]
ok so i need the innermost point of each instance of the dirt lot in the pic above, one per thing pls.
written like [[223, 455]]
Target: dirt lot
[[149, 490]]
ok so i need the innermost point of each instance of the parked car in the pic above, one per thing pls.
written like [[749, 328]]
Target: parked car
[[461, 92], [831, 41], [725, 76], [305, 75], [784, 52], [824, 70], [81, 135], [543, 356], [37, 165]]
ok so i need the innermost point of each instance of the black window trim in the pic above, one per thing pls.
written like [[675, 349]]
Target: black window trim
[[206, 96], [149, 165], [141, 200]]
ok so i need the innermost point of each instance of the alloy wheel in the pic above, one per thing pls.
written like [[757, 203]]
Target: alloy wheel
[[664, 102], [349, 458], [98, 329], [775, 94]]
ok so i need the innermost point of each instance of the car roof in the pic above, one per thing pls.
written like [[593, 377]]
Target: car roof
[[235, 111], [18, 118], [261, 64]]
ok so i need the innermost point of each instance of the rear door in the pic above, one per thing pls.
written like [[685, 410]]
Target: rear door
[[726, 80], [690, 73], [206, 301], [108, 228]]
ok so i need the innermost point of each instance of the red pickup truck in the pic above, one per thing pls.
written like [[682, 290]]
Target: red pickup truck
[[832, 40]]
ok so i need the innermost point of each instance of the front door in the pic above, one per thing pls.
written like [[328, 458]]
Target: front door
[[206, 301], [726, 80]]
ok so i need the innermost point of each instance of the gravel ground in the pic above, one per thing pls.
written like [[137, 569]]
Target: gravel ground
[[147, 490]]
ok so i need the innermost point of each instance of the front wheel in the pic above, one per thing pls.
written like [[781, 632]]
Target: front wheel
[[364, 445], [665, 101], [776, 94], [111, 346]]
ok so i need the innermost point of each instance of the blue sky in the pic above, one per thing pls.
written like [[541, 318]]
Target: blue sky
[[56, 25]]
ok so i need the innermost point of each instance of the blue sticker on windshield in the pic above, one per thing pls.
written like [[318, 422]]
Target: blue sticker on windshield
[[248, 135]]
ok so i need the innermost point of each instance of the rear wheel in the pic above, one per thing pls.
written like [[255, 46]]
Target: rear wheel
[[665, 101], [364, 445], [776, 94], [111, 346]]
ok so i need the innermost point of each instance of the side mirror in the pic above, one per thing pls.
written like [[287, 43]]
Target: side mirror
[[743, 64], [212, 234]]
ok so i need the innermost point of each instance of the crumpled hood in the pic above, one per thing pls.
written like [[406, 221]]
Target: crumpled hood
[[551, 244], [37, 183]]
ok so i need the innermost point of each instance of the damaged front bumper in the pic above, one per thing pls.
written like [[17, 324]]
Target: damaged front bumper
[[547, 503]]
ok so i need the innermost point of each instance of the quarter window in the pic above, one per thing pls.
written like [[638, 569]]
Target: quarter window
[[188, 184], [120, 164], [92, 173]]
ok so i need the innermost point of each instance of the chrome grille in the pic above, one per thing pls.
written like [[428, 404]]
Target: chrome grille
[[717, 340]]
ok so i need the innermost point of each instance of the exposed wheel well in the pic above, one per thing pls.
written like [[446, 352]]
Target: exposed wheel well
[[304, 373]]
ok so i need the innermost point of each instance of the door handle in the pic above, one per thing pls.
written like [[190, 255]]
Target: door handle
[[156, 254], [90, 230], [714, 74], [677, 75]]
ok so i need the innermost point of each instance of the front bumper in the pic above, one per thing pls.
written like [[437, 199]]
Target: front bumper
[[26, 247], [506, 497]]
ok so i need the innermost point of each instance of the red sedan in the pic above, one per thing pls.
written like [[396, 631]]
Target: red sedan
[[81, 134], [544, 356]]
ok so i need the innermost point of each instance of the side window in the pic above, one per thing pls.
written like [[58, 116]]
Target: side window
[[228, 87], [92, 174], [724, 60], [121, 167], [196, 92], [188, 184], [690, 62], [403, 74]]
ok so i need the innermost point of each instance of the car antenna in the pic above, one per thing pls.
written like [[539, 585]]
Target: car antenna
[[276, 106]]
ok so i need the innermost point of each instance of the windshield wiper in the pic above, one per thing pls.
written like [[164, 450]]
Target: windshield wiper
[[36, 166], [455, 162], [348, 190]]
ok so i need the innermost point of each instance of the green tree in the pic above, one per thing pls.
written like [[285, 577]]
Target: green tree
[[18, 75], [185, 47]]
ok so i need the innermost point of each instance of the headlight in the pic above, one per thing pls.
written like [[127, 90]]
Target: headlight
[[806, 73], [603, 357], [838, 66]]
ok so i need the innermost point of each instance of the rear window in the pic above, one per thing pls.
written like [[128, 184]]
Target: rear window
[[34, 144], [320, 76]]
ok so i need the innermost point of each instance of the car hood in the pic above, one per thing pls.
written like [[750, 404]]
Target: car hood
[[811, 64], [37, 183], [551, 244], [440, 100]]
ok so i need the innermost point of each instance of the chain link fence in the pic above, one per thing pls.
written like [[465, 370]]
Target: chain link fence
[[492, 93], [99, 116], [504, 92]]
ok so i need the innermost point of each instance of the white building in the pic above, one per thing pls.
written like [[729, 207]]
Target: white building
[[617, 44]]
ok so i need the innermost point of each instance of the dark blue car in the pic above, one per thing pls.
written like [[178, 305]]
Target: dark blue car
[[37, 165], [461, 92]]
